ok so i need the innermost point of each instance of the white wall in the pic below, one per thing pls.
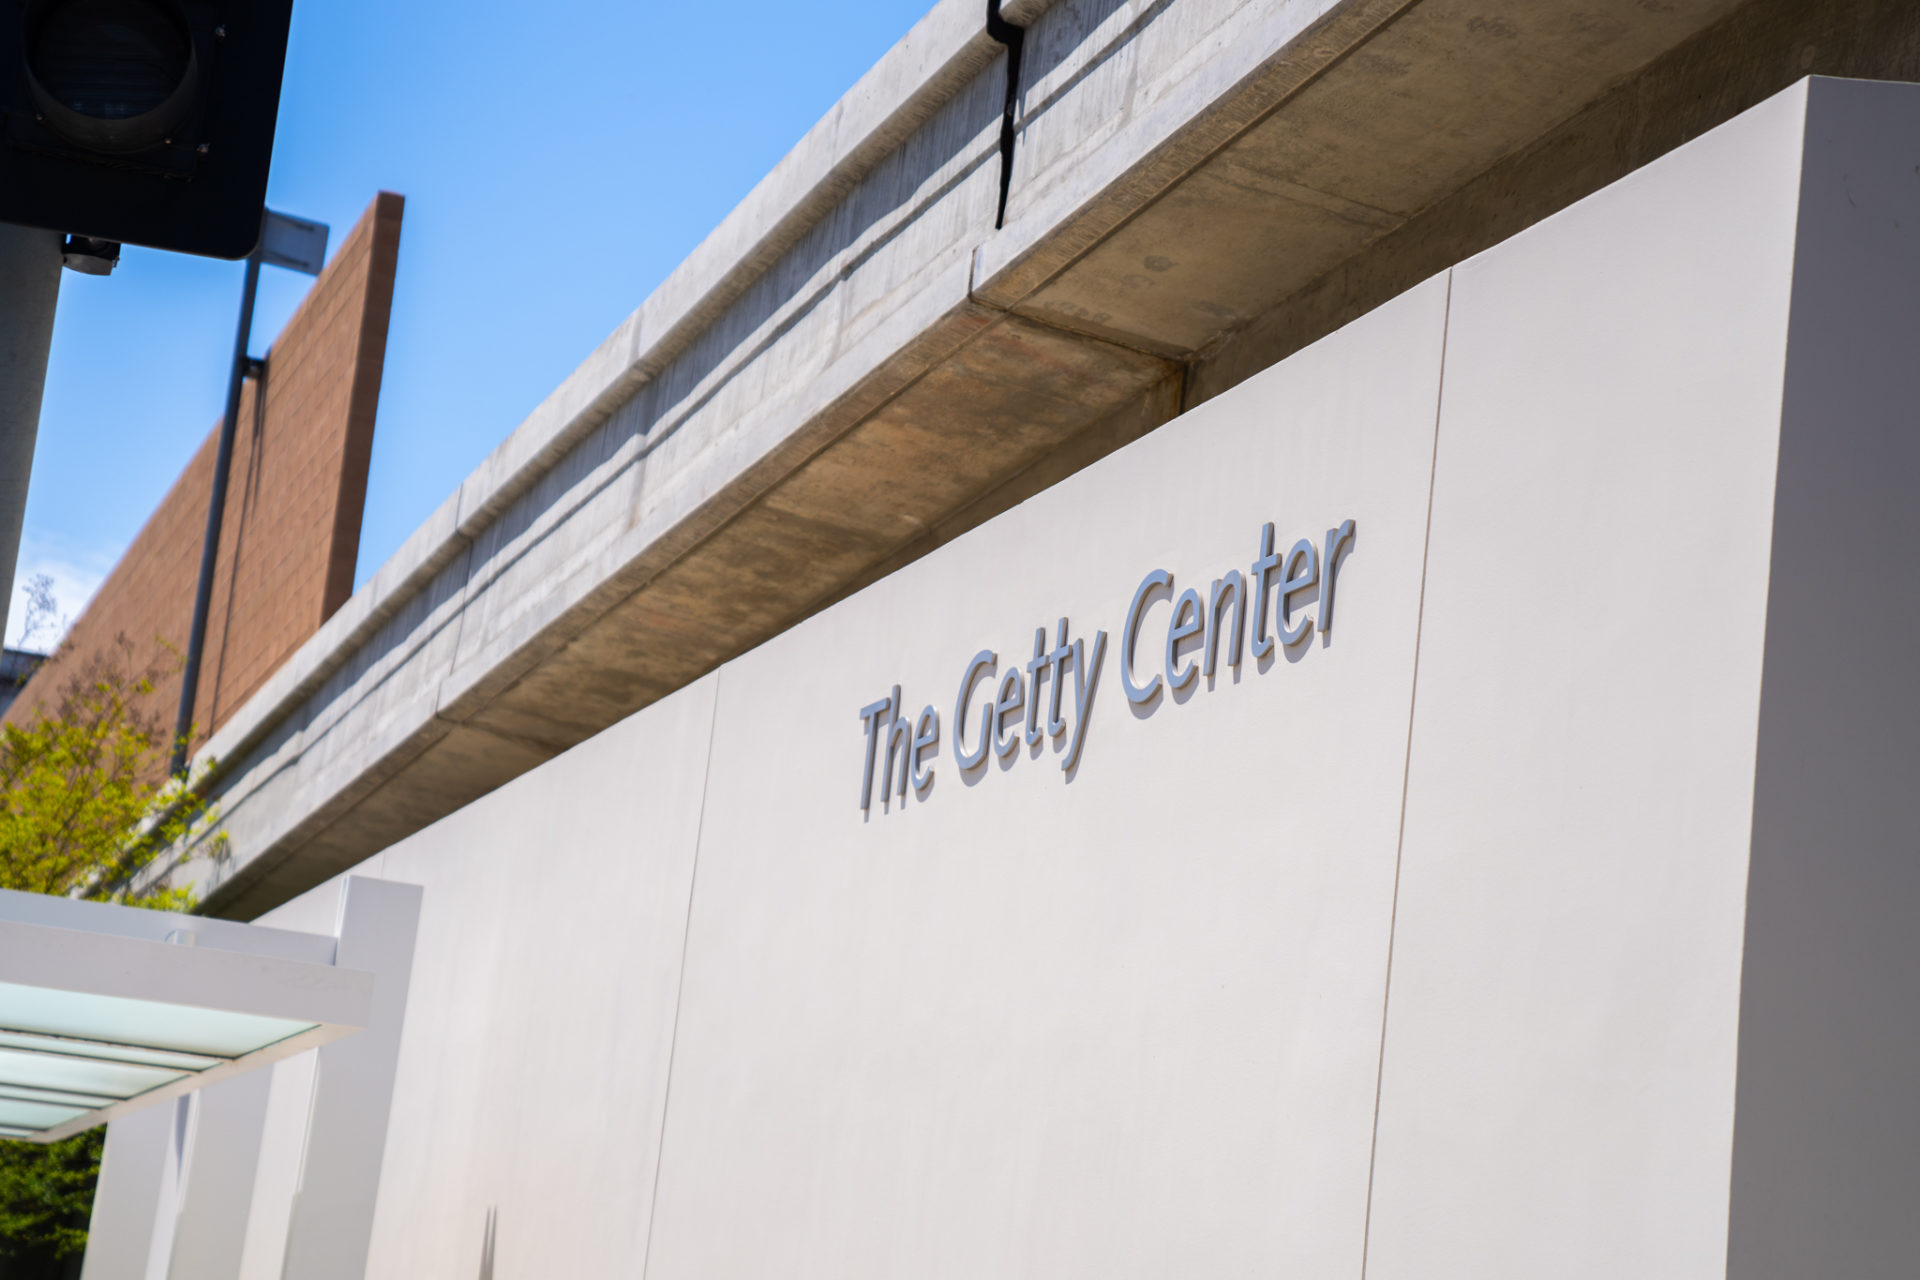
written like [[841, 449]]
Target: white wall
[[1557, 1089], [533, 1068], [1415, 953], [1125, 1023]]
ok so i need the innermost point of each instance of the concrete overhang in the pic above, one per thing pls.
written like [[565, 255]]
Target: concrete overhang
[[859, 363]]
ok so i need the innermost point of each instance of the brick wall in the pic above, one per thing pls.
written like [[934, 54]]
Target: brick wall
[[291, 531]]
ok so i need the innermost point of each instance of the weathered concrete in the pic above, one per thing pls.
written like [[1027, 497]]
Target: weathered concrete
[[858, 365], [1751, 55]]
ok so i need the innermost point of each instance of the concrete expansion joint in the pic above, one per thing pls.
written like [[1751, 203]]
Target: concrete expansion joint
[[447, 720], [1054, 324]]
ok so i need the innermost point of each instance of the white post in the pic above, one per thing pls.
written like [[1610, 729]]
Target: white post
[[173, 1176], [332, 1224], [175, 1199], [126, 1203], [29, 287], [210, 1231]]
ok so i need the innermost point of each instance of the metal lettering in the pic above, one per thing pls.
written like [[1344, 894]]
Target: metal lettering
[[1187, 606], [1035, 667], [1083, 694], [1338, 539], [1292, 584], [1158, 580], [871, 715], [898, 746], [1057, 661], [1233, 609], [1007, 702], [1263, 567], [926, 736], [1230, 590], [985, 660]]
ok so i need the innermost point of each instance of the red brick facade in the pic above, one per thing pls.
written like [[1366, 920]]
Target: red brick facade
[[291, 532]]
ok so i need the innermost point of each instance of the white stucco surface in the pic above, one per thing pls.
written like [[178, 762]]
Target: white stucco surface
[[1559, 1066], [533, 1068], [1123, 1024]]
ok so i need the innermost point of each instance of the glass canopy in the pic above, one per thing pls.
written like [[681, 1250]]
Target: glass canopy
[[106, 1008], [64, 1053]]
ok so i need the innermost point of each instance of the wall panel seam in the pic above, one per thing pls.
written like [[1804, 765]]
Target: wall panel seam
[[680, 978], [1406, 772]]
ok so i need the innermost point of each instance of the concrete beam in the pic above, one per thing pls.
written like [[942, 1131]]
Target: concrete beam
[[858, 365]]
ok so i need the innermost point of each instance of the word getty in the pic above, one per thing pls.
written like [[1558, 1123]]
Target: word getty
[[1295, 579]]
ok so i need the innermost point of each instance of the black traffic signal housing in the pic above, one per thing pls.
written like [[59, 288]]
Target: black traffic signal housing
[[147, 122]]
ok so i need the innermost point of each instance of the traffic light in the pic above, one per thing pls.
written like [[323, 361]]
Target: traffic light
[[146, 122]]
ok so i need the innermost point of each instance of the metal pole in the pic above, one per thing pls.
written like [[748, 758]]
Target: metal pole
[[29, 288], [216, 510]]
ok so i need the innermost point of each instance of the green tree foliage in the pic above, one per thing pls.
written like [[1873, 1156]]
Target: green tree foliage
[[46, 1199], [85, 807], [85, 803]]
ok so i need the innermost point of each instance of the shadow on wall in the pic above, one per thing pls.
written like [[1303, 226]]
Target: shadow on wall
[[486, 1242]]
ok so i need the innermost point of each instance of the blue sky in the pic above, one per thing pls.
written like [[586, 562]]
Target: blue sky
[[558, 159]]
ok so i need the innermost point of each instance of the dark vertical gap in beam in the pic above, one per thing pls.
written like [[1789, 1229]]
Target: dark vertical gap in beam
[[1013, 37]]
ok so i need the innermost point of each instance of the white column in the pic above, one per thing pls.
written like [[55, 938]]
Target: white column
[[29, 286], [127, 1200], [210, 1229], [353, 1088]]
